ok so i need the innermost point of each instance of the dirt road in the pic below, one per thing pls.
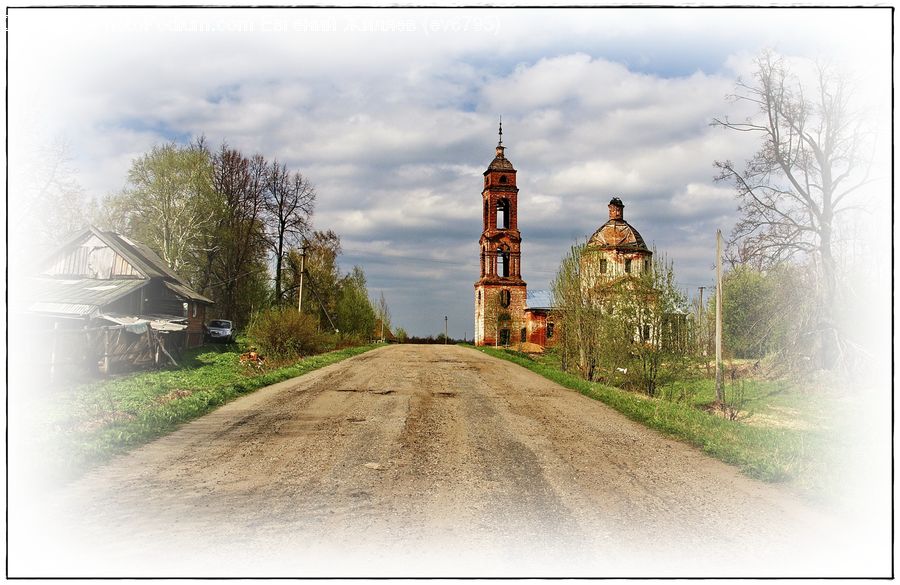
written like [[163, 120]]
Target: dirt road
[[423, 460]]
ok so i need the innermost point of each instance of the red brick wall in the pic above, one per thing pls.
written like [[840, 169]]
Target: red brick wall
[[537, 328], [488, 309]]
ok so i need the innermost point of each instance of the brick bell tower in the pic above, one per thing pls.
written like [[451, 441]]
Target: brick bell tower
[[500, 292]]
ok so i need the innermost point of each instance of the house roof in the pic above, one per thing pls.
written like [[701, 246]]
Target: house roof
[[80, 293], [73, 291], [539, 299]]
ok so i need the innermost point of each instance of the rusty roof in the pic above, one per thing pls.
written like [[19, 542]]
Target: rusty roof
[[617, 234], [500, 162]]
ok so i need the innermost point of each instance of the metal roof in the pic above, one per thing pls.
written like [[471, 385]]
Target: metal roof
[[84, 291], [617, 234], [186, 292], [100, 292], [63, 309]]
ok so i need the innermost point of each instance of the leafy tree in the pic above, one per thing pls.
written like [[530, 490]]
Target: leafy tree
[[812, 160], [655, 310], [322, 283], [750, 318], [169, 204], [620, 330], [401, 335], [355, 315]]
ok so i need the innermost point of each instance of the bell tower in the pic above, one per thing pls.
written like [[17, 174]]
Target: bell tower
[[500, 292]]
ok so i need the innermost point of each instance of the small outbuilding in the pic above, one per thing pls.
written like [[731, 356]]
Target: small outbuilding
[[110, 303]]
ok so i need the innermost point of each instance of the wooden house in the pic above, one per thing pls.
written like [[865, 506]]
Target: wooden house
[[101, 282]]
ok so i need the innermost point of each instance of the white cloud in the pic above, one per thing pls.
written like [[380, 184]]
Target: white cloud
[[395, 128]]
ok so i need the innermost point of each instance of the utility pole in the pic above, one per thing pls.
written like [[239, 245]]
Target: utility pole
[[445, 329], [700, 326], [302, 270], [720, 390]]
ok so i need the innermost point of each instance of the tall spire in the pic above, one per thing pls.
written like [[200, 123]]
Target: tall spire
[[501, 131]]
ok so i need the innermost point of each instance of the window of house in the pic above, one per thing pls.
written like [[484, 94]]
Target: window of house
[[503, 214], [523, 335], [193, 309], [603, 265], [646, 266], [184, 309], [628, 266], [550, 327], [504, 298]]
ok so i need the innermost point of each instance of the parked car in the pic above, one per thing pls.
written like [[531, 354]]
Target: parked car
[[220, 330]]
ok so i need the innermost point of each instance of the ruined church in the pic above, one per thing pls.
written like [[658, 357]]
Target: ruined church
[[505, 312]]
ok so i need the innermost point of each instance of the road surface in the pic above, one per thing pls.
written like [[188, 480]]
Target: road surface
[[423, 460]]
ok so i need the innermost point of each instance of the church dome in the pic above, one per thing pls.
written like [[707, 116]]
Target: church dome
[[500, 162], [617, 233]]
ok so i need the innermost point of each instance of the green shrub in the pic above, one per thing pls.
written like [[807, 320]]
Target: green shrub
[[285, 333]]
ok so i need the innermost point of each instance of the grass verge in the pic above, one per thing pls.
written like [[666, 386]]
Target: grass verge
[[766, 453], [93, 422]]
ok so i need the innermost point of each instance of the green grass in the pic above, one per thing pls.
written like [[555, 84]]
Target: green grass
[[770, 452], [93, 422]]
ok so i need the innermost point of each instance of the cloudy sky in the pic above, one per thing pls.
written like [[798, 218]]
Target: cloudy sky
[[393, 116]]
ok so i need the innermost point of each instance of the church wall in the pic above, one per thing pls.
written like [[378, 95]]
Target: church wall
[[615, 264], [537, 321], [488, 313]]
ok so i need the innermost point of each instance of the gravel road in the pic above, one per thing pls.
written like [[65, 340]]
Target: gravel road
[[423, 460]]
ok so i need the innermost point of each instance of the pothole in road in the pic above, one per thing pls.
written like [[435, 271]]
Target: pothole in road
[[365, 390]]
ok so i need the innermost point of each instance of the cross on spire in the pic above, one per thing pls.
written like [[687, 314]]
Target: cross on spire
[[501, 130]]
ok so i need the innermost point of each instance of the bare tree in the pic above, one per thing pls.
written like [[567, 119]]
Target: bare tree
[[800, 182], [237, 247], [47, 204], [289, 199]]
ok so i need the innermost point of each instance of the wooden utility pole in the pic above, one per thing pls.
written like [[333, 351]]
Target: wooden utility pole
[[445, 329], [700, 325], [302, 270], [720, 390]]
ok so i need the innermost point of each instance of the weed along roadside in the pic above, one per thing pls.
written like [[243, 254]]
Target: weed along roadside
[[93, 422], [769, 453]]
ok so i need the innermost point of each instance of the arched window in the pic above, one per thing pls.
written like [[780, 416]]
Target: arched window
[[485, 212], [502, 263], [503, 214], [502, 179], [504, 298]]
